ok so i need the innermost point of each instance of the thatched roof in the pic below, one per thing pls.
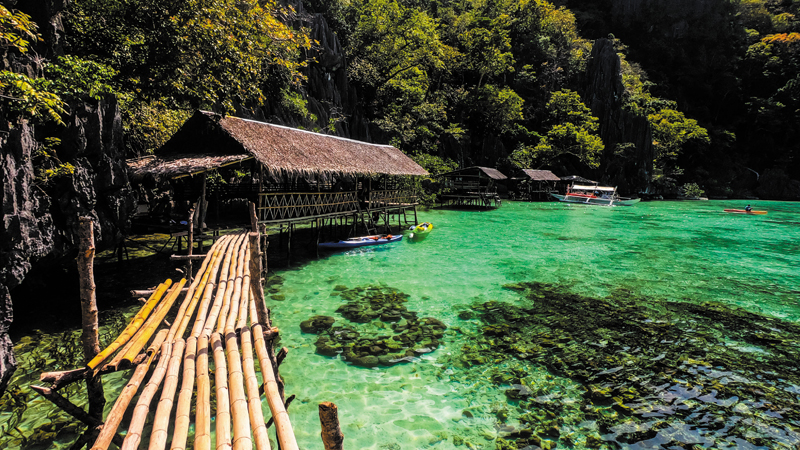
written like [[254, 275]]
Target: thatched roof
[[282, 150], [538, 175], [173, 166], [577, 179], [475, 171]]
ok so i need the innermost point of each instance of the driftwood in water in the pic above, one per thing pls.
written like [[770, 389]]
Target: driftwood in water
[[332, 436]]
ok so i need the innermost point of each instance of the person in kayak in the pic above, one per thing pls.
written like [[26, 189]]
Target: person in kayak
[[748, 208]]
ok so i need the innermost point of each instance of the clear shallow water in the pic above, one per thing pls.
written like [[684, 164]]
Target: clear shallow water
[[679, 251], [656, 253]]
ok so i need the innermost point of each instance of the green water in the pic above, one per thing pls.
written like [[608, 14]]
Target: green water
[[646, 260], [680, 251]]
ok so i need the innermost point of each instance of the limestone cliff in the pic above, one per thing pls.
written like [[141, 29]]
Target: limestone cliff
[[619, 128], [39, 223]]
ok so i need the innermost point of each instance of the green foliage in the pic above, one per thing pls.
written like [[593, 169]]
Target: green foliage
[[204, 53], [692, 190], [72, 78], [28, 98], [16, 30], [46, 163], [571, 131], [149, 125]]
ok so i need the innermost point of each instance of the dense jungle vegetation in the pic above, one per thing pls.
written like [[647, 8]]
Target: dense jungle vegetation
[[486, 82]]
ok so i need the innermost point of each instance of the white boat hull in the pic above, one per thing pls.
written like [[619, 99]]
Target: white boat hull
[[597, 201]]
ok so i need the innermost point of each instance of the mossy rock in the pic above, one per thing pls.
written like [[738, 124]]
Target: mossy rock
[[317, 324]]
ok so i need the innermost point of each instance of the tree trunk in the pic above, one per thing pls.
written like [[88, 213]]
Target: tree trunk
[[89, 336]]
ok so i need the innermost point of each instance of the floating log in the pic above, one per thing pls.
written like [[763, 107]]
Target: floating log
[[332, 437], [132, 327], [118, 410]]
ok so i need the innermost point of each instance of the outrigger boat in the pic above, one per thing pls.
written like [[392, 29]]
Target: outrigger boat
[[362, 241], [594, 195]]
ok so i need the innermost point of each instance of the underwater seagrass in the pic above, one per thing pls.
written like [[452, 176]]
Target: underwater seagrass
[[375, 343], [665, 375]]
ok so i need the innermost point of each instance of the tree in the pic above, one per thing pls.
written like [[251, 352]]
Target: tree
[[571, 131], [22, 96]]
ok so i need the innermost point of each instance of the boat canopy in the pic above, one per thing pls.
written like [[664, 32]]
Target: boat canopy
[[593, 188]]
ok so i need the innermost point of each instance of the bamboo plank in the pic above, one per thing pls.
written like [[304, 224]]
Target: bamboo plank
[[202, 312], [222, 288], [118, 410], [134, 435], [152, 323], [132, 327], [223, 418], [283, 425], [159, 435], [183, 410], [202, 422], [260, 435]]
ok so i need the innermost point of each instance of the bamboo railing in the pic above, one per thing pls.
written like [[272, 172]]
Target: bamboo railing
[[225, 303]]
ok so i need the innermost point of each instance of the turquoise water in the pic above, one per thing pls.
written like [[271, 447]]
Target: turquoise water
[[674, 251], [615, 347]]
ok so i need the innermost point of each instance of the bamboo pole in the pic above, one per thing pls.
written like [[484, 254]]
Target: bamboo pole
[[332, 437], [183, 409], [202, 425], [260, 435], [224, 289], [245, 298], [186, 309], [190, 244], [223, 418], [140, 339], [134, 435], [159, 435], [255, 281], [241, 426], [283, 426], [118, 410], [132, 327], [208, 292], [203, 418]]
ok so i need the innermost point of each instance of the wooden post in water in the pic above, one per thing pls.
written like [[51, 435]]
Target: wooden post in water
[[89, 336], [332, 437], [190, 244]]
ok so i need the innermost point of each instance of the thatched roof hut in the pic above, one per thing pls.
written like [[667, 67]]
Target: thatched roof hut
[[537, 175], [476, 172], [207, 141]]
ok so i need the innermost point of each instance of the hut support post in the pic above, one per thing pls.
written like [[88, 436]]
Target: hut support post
[[190, 244], [332, 437], [89, 336]]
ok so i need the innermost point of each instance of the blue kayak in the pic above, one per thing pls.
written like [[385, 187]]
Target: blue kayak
[[362, 241]]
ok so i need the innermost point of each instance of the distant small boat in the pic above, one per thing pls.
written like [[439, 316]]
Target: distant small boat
[[362, 241], [420, 232], [594, 195], [743, 211]]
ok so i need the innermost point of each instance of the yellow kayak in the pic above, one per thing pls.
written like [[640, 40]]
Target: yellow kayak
[[420, 232]]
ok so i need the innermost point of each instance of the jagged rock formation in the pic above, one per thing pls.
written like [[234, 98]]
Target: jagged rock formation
[[618, 126], [40, 226]]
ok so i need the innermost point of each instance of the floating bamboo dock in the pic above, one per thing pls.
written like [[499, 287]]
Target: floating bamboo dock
[[231, 335]]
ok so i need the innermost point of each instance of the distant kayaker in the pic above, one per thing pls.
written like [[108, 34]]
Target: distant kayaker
[[748, 208]]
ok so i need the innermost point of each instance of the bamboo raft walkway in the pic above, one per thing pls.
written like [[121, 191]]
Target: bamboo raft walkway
[[230, 338]]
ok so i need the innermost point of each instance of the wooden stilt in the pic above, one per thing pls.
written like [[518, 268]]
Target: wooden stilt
[[332, 437], [190, 244], [89, 335]]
